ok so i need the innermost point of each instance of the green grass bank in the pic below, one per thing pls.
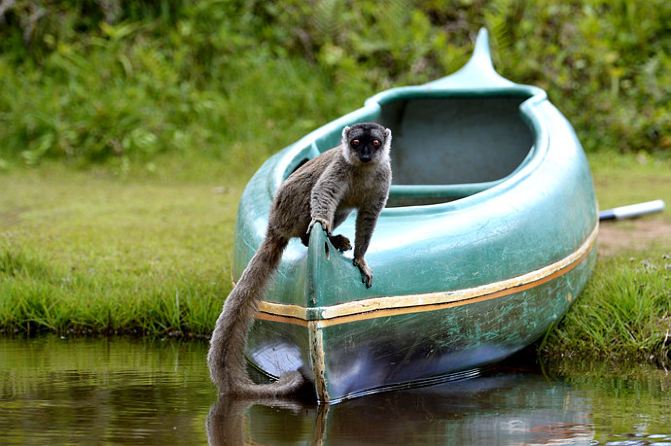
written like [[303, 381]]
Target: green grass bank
[[88, 252], [624, 313], [96, 252]]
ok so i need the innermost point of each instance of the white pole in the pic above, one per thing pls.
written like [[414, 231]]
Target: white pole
[[632, 210]]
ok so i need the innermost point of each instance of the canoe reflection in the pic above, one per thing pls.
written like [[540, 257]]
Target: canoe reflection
[[505, 409]]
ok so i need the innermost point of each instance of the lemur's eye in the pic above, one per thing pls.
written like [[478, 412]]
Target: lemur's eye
[[376, 142], [355, 142]]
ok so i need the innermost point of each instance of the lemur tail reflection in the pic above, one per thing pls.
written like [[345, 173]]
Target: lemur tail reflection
[[354, 175]]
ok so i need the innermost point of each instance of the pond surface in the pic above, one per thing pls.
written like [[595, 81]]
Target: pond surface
[[58, 391]]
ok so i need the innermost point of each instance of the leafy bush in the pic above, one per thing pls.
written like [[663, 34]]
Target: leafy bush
[[92, 80]]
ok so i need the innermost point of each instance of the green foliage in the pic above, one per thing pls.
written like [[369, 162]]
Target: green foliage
[[90, 81]]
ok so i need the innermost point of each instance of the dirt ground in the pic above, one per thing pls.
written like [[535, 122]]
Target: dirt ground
[[633, 235]]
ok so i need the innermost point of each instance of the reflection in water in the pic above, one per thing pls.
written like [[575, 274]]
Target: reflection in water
[[510, 409], [55, 392], [504, 409], [228, 423]]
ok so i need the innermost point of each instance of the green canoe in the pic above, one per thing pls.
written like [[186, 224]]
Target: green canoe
[[488, 236]]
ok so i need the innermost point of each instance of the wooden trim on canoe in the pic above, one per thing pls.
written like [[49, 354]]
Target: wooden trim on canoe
[[417, 303], [286, 310], [318, 359], [266, 316]]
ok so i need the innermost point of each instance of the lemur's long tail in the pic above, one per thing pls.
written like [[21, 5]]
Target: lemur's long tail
[[226, 355]]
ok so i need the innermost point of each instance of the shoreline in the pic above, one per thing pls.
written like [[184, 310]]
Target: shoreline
[[86, 253]]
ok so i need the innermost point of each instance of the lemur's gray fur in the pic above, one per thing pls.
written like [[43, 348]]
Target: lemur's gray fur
[[354, 175]]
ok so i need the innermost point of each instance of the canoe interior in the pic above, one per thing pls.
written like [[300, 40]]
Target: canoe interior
[[446, 148], [456, 142]]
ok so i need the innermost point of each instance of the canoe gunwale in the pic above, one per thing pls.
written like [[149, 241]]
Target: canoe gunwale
[[397, 305], [307, 148]]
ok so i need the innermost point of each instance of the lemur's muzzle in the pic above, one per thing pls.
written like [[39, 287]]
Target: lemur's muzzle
[[365, 155]]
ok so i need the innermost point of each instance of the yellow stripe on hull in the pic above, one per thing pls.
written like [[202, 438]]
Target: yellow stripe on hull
[[417, 303]]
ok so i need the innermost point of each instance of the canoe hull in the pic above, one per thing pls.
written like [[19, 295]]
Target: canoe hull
[[465, 275], [372, 352]]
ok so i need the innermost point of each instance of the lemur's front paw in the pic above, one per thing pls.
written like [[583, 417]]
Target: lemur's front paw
[[340, 242], [325, 224], [366, 272]]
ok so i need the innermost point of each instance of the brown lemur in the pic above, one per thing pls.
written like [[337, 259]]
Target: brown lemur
[[354, 175]]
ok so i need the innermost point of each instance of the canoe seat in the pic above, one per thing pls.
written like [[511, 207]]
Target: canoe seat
[[417, 195]]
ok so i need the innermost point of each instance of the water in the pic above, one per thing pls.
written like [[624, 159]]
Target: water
[[58, 391]]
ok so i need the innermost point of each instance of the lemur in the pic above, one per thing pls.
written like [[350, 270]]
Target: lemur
[[354, 175]]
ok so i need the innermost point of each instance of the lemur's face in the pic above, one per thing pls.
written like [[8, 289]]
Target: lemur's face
[[367, 142]]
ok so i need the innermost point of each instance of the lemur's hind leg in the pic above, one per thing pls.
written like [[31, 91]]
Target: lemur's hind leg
[[339, 241], [305, 239]]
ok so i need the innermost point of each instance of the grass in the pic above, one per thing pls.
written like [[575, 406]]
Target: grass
[[86, 252], [624, 313], [630, 178]]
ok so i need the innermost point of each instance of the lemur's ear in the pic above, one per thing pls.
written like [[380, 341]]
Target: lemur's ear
[[387, 137], [345, 131]]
